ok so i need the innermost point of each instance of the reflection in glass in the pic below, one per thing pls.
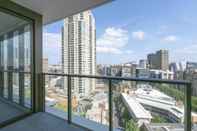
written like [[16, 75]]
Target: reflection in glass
[[15, 58]]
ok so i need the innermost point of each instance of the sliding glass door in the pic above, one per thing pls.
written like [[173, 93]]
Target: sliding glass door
[[15, 66]]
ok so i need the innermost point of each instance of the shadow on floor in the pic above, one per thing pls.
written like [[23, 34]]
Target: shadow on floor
[[42, 122], [9, 111]]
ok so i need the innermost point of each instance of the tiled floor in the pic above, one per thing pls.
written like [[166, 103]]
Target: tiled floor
[[42, 122], [9, 111]]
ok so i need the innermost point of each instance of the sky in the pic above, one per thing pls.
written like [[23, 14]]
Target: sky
[[127, 30]]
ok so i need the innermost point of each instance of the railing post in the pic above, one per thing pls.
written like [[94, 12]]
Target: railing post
[[21, 89], [33, 93], [110, 106], [188, 107], [10, 86], [69, 99], [38, 94], [1, 83], [43, 91]]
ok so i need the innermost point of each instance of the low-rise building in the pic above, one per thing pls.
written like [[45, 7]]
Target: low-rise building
[[192, 76], [142, 73], [99, 109], [143, 64], [129, 71], [103, 70], [161, 74], [162, 127], [137, 111], [160, 104], [115, 70]]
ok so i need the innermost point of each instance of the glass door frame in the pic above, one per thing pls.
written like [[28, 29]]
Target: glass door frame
[[37, 95]]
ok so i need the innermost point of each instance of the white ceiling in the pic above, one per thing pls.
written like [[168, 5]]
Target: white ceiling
[[53, 10]]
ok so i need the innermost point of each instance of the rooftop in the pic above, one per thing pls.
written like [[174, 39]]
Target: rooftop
[[173, 109], [146, 91], [136, 108], [164, 127]]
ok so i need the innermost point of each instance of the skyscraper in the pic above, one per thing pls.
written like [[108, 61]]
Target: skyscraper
[[152, 61], [79, 51], [164, 59], [159, 60]]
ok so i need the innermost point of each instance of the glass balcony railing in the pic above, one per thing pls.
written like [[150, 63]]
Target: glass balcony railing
[[101, 102], [117, 103]]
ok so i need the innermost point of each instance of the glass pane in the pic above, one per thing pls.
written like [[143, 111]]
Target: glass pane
[[56, 95], [90, 106], [27, 90], [15, 58], [5, 86], [16, 87], [148, 106]]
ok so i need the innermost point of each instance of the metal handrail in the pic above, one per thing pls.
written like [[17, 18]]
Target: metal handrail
[[153, 80], [179, 82], [16, 71]]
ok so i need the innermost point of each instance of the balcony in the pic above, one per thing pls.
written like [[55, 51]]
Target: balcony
[[61, 110], [32, 100]]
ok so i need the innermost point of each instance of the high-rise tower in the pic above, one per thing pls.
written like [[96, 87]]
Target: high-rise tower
[[79, 51], [159, 60]]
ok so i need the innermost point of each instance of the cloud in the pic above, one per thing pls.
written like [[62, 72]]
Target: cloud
[[52, 46], [113, 37], [110, 50], [138, 35], [129, 52], [170, 38], [112, 40], [189, 50]]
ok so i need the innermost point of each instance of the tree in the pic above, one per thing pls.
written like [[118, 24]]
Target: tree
[[131, 126], [177, 94], [159, 119]]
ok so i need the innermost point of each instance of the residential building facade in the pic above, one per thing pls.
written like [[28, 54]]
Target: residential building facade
[[159, 60], [79, 51]]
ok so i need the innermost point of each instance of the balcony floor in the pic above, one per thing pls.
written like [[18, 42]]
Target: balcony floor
[[42, 122], [9, 111]]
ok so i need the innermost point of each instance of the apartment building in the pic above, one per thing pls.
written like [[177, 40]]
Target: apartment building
[[79, 51]]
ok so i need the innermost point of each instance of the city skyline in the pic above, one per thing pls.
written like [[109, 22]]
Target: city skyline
[[135, 35]]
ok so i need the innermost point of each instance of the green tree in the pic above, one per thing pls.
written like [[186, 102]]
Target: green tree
[[177, 94], [126, 115], [159, 119], [131, 126]]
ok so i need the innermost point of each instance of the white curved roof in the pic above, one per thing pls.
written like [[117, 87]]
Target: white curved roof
[[136, 108], [53, 10]]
